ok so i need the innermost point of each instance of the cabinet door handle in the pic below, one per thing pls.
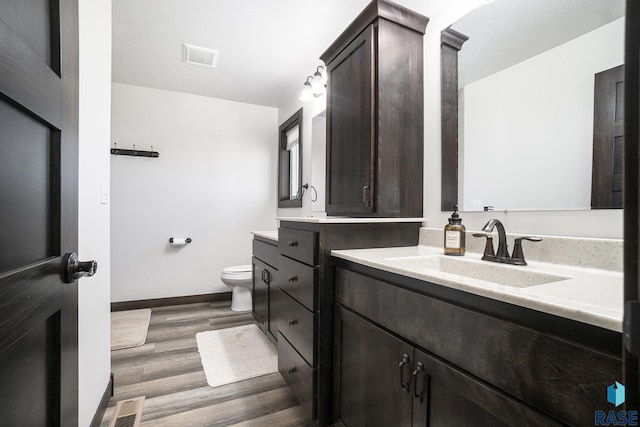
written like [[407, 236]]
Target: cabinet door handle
[[292, 371], [267, 276], [293, 279], [419, 369], [292, 322], [405, 360], [264, 271], [366, 194], [292, 243]]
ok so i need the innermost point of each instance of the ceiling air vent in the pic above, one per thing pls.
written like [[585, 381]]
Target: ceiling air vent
[[197, 55]]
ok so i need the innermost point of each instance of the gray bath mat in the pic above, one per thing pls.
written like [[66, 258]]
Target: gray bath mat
[[129, 328]]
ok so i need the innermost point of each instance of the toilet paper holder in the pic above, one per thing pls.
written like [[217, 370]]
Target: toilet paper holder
[[179, 241]]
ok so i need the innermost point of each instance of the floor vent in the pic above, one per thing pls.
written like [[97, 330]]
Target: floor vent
[[128, 413]]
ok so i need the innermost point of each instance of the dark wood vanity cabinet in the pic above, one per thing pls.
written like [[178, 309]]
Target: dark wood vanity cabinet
[[305, 306], [407, 352], [375, 114], [264, 295], [385, 381]]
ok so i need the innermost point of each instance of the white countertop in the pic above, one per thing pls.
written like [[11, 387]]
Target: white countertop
[[587, 295], [344, 219], [271, 235]]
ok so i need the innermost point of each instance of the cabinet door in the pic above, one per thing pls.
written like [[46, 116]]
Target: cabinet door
[[351, 128], [372, 374], [260, 298], [446, 396]]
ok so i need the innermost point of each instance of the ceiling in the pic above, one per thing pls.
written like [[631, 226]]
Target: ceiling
[[267, 48]]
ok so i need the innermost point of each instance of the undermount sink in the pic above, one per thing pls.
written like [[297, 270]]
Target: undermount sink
[[502, 274]]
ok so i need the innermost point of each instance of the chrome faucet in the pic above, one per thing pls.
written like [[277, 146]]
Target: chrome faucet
[[503, 249]]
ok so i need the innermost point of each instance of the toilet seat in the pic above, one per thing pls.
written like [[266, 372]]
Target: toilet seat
[[238, 271]]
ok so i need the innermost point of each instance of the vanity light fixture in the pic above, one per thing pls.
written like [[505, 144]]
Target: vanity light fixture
[[315, 85]]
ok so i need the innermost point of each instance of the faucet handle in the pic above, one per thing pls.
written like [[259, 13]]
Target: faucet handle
[[518, 255], [488, 248]]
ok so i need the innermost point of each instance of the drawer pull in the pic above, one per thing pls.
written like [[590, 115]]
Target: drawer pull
[[405, 360], [292, 243], [419, 368], [292, 371], [293, 279], [292, 322]]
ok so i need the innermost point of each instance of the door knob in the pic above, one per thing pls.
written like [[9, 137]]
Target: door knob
[[73, 269]]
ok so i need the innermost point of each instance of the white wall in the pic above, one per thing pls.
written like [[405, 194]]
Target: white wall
[[94, 364], [537, 117], [215, 182], [442, 13]]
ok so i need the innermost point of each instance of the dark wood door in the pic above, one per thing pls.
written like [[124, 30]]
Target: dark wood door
[[608, 138], [38, 212], [374, 374], [351, 128], [446, 396]]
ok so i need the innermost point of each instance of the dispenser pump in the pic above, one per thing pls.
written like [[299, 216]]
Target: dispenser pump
[[454, 235], [455, 217]]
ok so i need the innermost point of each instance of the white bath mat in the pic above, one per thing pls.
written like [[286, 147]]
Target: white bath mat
[[129, 328], [235, 354]]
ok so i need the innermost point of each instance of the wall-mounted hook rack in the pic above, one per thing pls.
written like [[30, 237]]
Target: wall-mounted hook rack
[[133, 152]]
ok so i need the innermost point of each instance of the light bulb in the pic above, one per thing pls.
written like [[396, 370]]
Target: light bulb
[[307, 93], [317, 83]]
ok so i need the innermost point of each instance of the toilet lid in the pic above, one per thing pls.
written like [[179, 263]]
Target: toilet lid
[[237, 269]]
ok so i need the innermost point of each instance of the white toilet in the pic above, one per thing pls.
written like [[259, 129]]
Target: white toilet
[[238, 278]]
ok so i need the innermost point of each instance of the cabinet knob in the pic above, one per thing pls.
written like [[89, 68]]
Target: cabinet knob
[[292, 322], [292, 243], [292, 371], [293, 279]]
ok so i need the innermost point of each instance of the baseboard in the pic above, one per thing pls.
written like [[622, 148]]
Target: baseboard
[[104, 402], [162, 302]]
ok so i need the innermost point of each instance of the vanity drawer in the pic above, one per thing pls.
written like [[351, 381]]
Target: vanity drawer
[[296, 324], [299, 244], [298, 374], [298, 281], [266, 252]]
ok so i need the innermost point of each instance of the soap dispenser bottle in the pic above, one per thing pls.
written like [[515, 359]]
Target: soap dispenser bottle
[[454, 235]]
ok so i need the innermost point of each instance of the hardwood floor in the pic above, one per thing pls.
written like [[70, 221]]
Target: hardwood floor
[[168, 372]]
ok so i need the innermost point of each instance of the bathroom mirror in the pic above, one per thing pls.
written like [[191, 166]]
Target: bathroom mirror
[[290, 162], [519, 93], [318, 160]]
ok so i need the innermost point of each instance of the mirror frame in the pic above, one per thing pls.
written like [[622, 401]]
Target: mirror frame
[[284, 173], [451, 42]]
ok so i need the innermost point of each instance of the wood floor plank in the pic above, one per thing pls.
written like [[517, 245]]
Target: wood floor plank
[[127, 376], [220, 414], [291, 417], [277, 399], [167, 370], [127, 353], [189, 363], [166, 405], [180, 344], [161, 386], [171, 332]]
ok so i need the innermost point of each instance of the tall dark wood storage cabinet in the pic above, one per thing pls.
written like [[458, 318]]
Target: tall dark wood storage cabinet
[[375, 133]]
